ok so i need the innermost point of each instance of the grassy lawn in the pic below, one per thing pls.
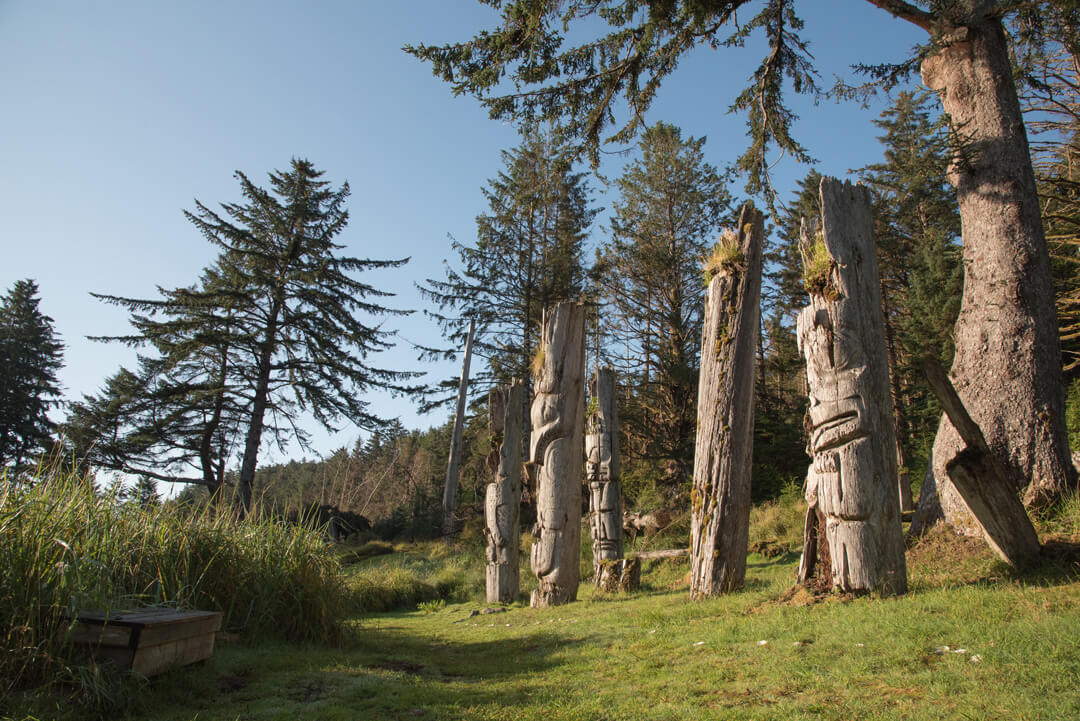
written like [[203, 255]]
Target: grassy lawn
[[768, 652]]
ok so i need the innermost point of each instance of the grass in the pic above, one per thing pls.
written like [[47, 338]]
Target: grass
[[724, 258], [65, 548], [654, 654], [818, 265]]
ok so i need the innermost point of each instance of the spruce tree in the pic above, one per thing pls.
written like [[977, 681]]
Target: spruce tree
[[528, 256], [30, 358], [272, 330], [672, 204]]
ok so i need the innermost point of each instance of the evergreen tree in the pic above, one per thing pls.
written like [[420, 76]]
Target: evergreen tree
[[672, 203], [286, 338], [528, 256], [30, 358]]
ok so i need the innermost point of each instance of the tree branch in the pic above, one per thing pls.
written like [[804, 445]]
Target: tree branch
[[906, 11]]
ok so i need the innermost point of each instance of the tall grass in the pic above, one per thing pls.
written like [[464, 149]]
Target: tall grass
[[65, 548]]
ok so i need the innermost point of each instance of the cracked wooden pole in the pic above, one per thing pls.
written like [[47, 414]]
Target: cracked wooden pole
[[720, 499], [556, 452], [503, 497], [852, 541], [602, 474], [982, 480], [449, 502]]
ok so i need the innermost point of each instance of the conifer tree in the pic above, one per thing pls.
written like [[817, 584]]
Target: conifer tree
[[271, 331], [528, 256], [30, 358], [672, 205]]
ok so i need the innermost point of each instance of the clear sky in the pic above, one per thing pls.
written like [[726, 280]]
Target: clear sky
[[116, 115]]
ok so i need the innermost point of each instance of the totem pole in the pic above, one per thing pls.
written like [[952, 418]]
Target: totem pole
[[852, 539], [556, 452], [501, 502]]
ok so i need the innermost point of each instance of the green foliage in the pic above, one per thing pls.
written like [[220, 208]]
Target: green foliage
[[30, 357], [64, 548], [671, 202], [1072, 414], [421, 574], [273, 329], [528, 256], [724, 258], [818, 265]]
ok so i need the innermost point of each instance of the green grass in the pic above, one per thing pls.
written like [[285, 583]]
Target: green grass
[[654, 654]]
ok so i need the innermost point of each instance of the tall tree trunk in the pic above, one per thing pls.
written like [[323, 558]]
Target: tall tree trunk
[[720, 500], [602, 470], [851, 483], [1007, 368], [502, 501], [556, 453], [260, 400], [903, 476], [453, 464]]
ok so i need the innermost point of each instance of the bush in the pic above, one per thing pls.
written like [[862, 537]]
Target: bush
[[65, 548]]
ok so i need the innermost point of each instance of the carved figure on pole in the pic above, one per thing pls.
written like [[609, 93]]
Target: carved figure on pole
[[602, 474], [852, 537], [720, 499], [501, 502], [556, 452]]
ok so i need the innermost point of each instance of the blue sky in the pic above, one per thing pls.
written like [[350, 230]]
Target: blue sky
[[115, 116]]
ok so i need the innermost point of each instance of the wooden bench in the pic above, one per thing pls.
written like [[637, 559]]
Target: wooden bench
[[147, 641]]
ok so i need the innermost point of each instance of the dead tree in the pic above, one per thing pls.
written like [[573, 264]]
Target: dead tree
[[852, 538], [449, 524], [501, 502], [720, 499], [983, 481], [556, 452]]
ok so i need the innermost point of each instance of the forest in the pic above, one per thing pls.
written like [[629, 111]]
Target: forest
[[827, 438]]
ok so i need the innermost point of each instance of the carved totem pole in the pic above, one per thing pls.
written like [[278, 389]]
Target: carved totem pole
[[720, 499], [501, 503], [556, 452], [602, 474], [852, 539]]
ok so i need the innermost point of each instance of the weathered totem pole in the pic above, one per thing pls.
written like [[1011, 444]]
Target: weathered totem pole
[[556, 452], [852, 539], [720, 499], [503, 496], [602, 474]]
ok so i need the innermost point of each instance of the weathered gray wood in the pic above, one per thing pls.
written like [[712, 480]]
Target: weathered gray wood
[[449, 524], [501, 506], [666, 553], [602, 470], [556, 452], [852, 481], [983, 481], [620, 574], [720, 499]]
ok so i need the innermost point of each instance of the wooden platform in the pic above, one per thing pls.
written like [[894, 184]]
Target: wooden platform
[[147, 641]]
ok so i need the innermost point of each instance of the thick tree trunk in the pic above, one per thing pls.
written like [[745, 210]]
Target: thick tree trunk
[[852, 440], [503, 498], [1007, 368], [260, 400], [602, 471], [556, 452], [453, 464], [720, 500]]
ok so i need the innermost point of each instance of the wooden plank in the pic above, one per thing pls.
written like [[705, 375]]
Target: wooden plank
[[151, 660], [154, 634], [101, 635]]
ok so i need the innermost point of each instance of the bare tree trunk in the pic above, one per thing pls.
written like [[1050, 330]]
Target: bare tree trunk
[[556, 452], [449, 501], [602, 470], [720, 500], [503, 499], [851, 483], [1007, 367]]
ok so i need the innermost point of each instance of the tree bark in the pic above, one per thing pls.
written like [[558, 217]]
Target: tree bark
[[503, 498], [556, 452], [851, 483], [449, 502], [720, 499], [1007, 367], [602, 471], [983, 483]]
